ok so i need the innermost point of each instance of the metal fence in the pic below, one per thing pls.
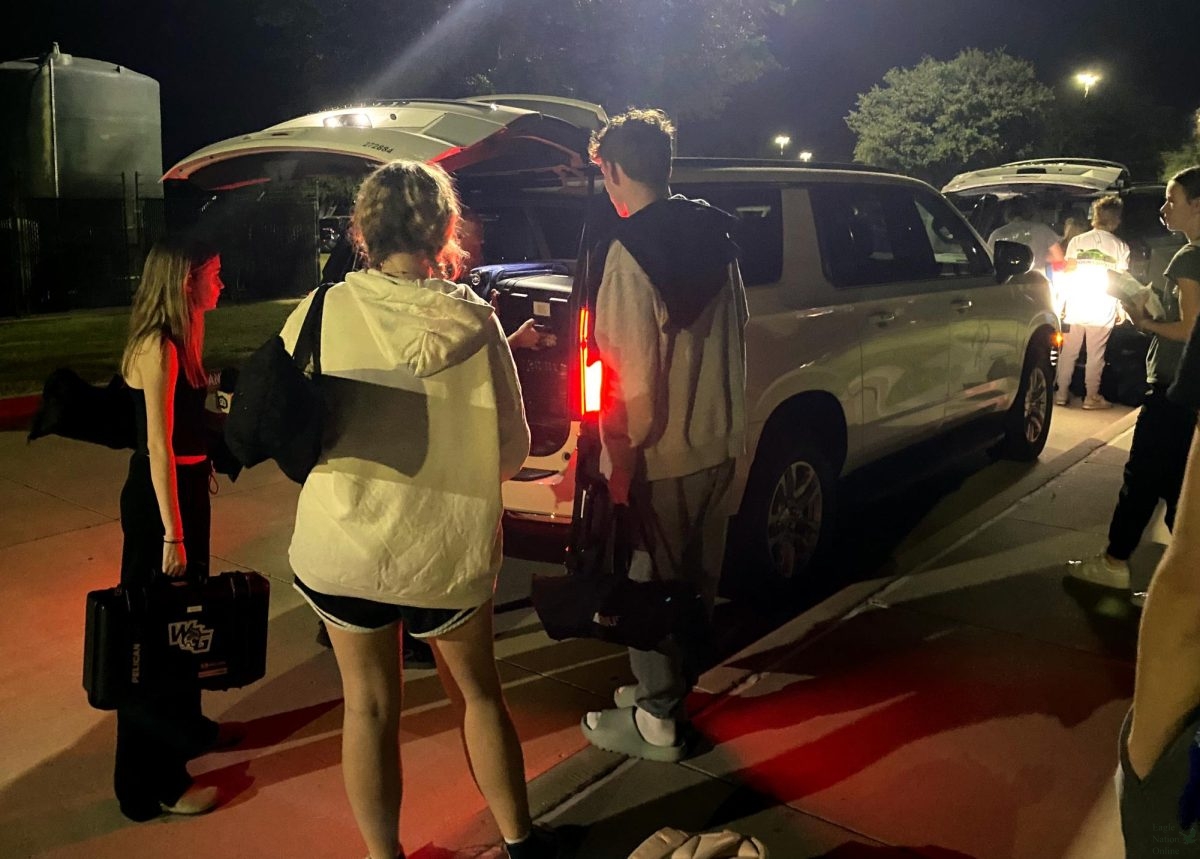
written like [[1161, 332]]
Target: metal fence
[[63, 254], [59, 254], [268, 247]]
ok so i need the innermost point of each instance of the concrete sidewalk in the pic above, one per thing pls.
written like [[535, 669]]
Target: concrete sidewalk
[[967, 708]]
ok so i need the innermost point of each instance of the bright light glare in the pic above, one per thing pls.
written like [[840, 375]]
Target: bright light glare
[[347, 120], [806, 155], [1083, 289], [782, 140], [435, 51], [1087, 80]]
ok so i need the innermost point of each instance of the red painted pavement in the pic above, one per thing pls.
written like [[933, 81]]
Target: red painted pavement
[[17, 412]]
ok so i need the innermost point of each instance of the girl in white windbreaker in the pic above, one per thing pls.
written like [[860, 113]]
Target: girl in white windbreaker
[[399, 522]]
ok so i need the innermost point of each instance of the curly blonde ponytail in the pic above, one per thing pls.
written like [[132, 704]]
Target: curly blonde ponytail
[[409, 207]]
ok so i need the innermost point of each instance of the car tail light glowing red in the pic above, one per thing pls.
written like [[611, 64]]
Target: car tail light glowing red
[[591, 371]]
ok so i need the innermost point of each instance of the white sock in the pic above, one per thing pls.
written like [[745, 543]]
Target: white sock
[[656, 731]]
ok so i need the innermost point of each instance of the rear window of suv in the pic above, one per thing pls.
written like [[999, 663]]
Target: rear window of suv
[[759, 232], [871, 234]]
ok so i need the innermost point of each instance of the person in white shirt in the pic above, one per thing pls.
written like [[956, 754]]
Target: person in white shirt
[[1086, 307], [1022, 228]]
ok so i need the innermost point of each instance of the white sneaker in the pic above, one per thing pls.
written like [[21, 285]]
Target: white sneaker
[[1062, 399], [1096, 402], [1099, 570]]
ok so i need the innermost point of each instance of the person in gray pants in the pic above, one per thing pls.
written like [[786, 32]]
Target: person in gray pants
[[670, 321]]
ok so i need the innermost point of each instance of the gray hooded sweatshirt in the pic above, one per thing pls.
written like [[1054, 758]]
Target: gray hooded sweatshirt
[[426, 421]]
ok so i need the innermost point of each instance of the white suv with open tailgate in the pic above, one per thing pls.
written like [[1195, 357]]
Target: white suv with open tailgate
[[879, 321]]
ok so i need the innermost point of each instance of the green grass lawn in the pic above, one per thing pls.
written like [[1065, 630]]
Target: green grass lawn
[[90, 342]]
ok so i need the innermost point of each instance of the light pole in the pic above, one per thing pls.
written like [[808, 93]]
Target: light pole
[[805, 156], [782, 140], [1087, 80]]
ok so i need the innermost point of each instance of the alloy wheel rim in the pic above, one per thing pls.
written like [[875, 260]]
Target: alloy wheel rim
[[794, 519], [1036, 397]]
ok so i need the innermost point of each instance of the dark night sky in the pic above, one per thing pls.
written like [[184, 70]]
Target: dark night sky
[[215, 82]]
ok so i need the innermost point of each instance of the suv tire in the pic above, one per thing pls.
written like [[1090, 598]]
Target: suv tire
[[784, 530], [1027, 424]]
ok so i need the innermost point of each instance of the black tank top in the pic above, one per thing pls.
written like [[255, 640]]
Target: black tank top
[[187, 437]]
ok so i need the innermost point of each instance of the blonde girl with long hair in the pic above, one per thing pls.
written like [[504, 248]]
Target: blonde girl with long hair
[[165, 515]]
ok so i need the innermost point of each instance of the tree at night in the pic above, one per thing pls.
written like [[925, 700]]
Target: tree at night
[[683, 55], [1115, 122], [1187, 155], [941, 117]]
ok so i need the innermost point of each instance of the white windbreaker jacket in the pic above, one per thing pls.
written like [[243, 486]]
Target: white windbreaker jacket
[[426, 421]]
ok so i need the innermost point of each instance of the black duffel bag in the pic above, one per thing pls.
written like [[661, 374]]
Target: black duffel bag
[[277, 410], [597, 599]]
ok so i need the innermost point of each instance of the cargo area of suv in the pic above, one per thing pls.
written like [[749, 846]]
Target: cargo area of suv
[[1064, 188], [520, 165]]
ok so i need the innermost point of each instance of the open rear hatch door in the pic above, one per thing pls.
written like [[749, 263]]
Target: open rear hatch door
[[465, 136], [498, 148]]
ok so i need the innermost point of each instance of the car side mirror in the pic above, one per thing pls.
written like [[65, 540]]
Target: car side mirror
[[1012, 259]]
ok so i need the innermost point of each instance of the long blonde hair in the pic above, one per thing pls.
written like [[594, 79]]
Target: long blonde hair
[[162, 307]]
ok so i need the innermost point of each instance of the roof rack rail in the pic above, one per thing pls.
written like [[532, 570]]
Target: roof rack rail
[[714, 161]]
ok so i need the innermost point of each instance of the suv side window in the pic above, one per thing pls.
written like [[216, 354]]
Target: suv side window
[[955, 250], [1141, 218], [874, 234], [759, 233]]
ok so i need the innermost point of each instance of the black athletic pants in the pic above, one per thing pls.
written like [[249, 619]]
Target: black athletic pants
[[1157, 458], [160, 730]]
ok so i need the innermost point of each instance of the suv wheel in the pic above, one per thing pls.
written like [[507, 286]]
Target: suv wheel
[[785, 526], [1027, 425]]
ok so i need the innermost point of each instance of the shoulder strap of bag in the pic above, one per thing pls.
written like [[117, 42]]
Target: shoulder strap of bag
[[308, 343]]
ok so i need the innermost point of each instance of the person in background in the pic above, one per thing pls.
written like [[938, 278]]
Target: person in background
[[1164, 428], [1089, 312], [165, 517], [670, 326], [1021, 227], [398, 524], [1158, 776], [1073, 226]]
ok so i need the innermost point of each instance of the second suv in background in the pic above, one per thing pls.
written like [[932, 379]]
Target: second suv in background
[[1063, 188]]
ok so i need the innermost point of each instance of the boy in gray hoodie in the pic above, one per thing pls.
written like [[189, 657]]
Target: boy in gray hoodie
[[670, 320]]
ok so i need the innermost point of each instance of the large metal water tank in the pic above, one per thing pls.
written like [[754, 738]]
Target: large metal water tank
[[72, 127]]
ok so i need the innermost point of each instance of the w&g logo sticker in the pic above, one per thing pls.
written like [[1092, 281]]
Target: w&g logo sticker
[[190, 636]]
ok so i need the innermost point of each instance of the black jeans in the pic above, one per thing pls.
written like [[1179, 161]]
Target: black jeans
[[159, 730], [1157, 458]]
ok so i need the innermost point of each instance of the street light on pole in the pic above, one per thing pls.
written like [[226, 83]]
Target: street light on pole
[[782, 140], [1087, 80], [805, 156]]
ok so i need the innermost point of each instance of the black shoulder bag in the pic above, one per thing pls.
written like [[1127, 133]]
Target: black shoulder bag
[[278, 411]]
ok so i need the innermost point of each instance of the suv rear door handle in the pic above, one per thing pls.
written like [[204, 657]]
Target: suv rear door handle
[[962, 305], [882, 318]]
